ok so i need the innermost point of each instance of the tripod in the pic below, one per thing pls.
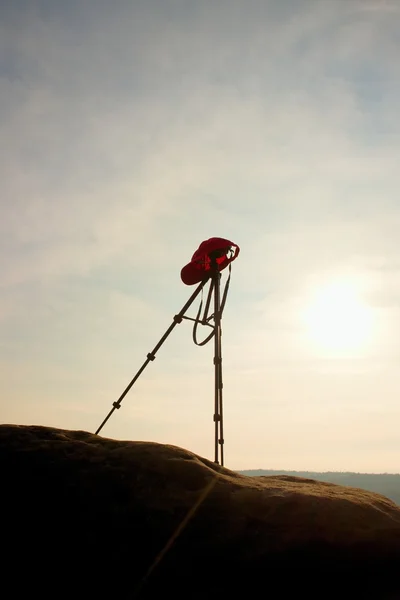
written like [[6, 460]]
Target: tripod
[[214, 277]]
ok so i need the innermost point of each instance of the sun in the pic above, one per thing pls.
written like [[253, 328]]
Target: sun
[[338, 319]]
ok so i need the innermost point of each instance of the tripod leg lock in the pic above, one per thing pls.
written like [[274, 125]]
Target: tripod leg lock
[[178, 319], [151, 356], [221, 442], [217, 417], [116, 405]]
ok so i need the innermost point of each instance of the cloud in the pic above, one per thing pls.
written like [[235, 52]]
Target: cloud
[[378, 6], [215, 140]]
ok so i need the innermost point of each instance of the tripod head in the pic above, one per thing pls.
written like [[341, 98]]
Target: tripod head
[[221, 253]]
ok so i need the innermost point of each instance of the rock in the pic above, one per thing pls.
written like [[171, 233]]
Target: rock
[[86, 515]]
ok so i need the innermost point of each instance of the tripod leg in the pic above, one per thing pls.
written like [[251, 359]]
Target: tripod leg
[[217, 367], [151, 356], [221, 422]]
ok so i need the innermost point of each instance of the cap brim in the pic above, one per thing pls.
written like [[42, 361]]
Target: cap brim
[[191, 274]]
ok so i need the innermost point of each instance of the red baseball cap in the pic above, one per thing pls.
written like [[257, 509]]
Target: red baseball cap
[[200, 265]]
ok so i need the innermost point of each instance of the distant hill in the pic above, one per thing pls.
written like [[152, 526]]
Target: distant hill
[[385, 484]]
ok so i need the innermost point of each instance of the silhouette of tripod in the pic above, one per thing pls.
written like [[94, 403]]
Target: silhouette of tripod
[[213, 277]]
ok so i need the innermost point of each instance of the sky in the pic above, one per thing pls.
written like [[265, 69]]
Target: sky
[[132, 131]]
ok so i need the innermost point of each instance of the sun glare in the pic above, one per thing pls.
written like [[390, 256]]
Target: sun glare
[[337, 319]]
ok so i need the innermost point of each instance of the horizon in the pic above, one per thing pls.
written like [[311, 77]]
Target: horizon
[[132, 132], [311, 472]]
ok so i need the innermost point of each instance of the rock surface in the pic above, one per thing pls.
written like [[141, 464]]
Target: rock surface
[[83, 514]]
